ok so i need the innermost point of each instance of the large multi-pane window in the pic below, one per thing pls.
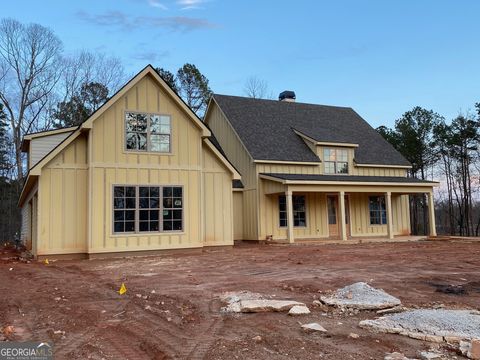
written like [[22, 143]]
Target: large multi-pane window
[[147, 132], [124, 205], [335, 161], [172, 208], [139, 209], [299, 212], [378, 212]]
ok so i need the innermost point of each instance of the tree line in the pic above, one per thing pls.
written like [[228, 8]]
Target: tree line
[[448, 151]]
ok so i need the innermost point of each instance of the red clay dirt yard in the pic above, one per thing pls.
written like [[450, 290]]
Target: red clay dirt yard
[[172, 307]]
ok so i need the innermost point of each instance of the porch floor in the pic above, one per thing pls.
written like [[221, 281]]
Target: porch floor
[[353, 240]]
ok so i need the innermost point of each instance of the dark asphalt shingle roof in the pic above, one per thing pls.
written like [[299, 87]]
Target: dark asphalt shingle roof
[[349, 178], [237, 184], [266, 129]]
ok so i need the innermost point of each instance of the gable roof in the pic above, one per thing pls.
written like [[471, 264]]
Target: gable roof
[[88, 123], [268, 130]]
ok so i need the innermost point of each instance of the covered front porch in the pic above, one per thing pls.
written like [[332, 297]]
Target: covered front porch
[[339, 207]]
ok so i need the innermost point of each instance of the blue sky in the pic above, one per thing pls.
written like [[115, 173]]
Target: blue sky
[[379, 57]]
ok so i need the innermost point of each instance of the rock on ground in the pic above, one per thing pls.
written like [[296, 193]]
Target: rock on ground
[[263, 305], [299, 310], [233, 298], [361, 296], [429, 324], [248, 302], [313, 327], [396, 356], [431, 355]]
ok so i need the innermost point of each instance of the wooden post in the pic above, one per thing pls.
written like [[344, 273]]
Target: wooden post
[[431, 215], [343, 225], [388, 202], [289, 203]]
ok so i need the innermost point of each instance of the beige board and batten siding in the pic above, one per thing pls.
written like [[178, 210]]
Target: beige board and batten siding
[[238, 215], [41, 146], [269, 208], [111, 164], [217, 202], [62, 202], [243, 162], [360, 216], [316, 218]]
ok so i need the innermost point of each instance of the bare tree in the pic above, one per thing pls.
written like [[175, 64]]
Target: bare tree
[[86, 67], [29, 71], [256, 88]]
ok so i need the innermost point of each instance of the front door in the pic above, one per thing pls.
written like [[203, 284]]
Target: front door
[[332, 204], [333, 216]]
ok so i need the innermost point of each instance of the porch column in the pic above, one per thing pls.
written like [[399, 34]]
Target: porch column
[[343, 225], [289, 203], [431, 215], [388, 202]]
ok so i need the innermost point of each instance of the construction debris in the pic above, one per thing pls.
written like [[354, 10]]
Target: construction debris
[[247, 302], [299, 310], [396, 356], [252, 306], [313, 327], [393, 310], [361, 296], [431, 355], [434, 325]]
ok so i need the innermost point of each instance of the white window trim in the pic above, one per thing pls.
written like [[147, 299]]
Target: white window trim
[[286, 213], [335, 163], [137, 211], [379, 211], [148, 151]]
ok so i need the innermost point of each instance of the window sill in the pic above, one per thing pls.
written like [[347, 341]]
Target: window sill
[[134, 152], [295, 227], [148, 233]]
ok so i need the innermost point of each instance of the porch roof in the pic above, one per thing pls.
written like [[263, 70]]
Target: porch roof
[[345, 179]]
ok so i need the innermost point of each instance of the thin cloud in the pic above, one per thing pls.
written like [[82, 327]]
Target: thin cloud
[[157, 4], [150, 56], [182, 24], [190, 4]]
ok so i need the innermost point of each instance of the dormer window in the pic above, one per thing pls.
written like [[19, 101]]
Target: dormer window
[[335, 161], [147, 132]]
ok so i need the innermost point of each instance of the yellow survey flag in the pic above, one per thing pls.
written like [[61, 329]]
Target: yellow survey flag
[[123, 289], [46, 262]]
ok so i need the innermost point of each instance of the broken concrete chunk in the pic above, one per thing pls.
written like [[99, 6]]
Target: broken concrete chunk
[[396, 356], [431, 355], [429, 324], [392, 310], [263, 305], [361, 296], [248, 302], [313, 327], [299, 310]]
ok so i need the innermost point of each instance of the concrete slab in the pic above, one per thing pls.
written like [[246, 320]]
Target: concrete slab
[[435, 325], [361, 296]]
